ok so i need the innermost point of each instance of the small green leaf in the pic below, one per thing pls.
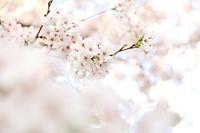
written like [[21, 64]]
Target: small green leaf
[[139, 42], [141, 38], [114, 8]]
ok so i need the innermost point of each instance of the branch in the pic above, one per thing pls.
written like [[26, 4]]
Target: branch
[[135, 45], [37, 35], [97, 14], [48, 9], [121, 49], [45, 15]]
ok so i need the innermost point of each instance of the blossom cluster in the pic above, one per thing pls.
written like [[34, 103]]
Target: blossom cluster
[[148, 44], [11, 31], [44, 99], [88, 56], [35, 102], [58, 31], [126, 24]]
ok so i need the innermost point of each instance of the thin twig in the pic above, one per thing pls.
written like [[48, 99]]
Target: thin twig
[[119, 50], [45, 15], [48, 9], [97, 14], [135, 45], [123, 49], [37, 35]]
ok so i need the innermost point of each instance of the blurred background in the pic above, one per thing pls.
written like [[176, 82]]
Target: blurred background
[[157, 93]]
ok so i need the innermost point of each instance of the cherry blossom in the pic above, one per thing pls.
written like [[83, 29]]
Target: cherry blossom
[[47, 69], [89, 58], [148, 44], [58, 31]]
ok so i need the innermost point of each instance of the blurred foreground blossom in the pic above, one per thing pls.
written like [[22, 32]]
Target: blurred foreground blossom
[[39, 93], [33, 101]]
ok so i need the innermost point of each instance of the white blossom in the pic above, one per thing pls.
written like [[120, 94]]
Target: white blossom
[[12, 31], [89, 58], [58, 31], [148, 44]]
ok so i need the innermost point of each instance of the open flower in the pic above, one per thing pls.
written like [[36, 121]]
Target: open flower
[[59, 32], [89, 58], [148, 44]]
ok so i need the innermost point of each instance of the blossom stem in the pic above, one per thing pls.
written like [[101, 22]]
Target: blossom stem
[[45, 15], [97, 14], [123, 49], [48, 9], [134, 45], [37, 35]]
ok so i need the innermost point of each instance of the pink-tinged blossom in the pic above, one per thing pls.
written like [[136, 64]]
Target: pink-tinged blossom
[[89, 58], [148, 44], [59, 32], [11, 31]]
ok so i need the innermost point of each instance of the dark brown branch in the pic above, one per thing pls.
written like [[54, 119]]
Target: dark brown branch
[[45, 15], [23, 24], [48, 9], [37, 36]]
